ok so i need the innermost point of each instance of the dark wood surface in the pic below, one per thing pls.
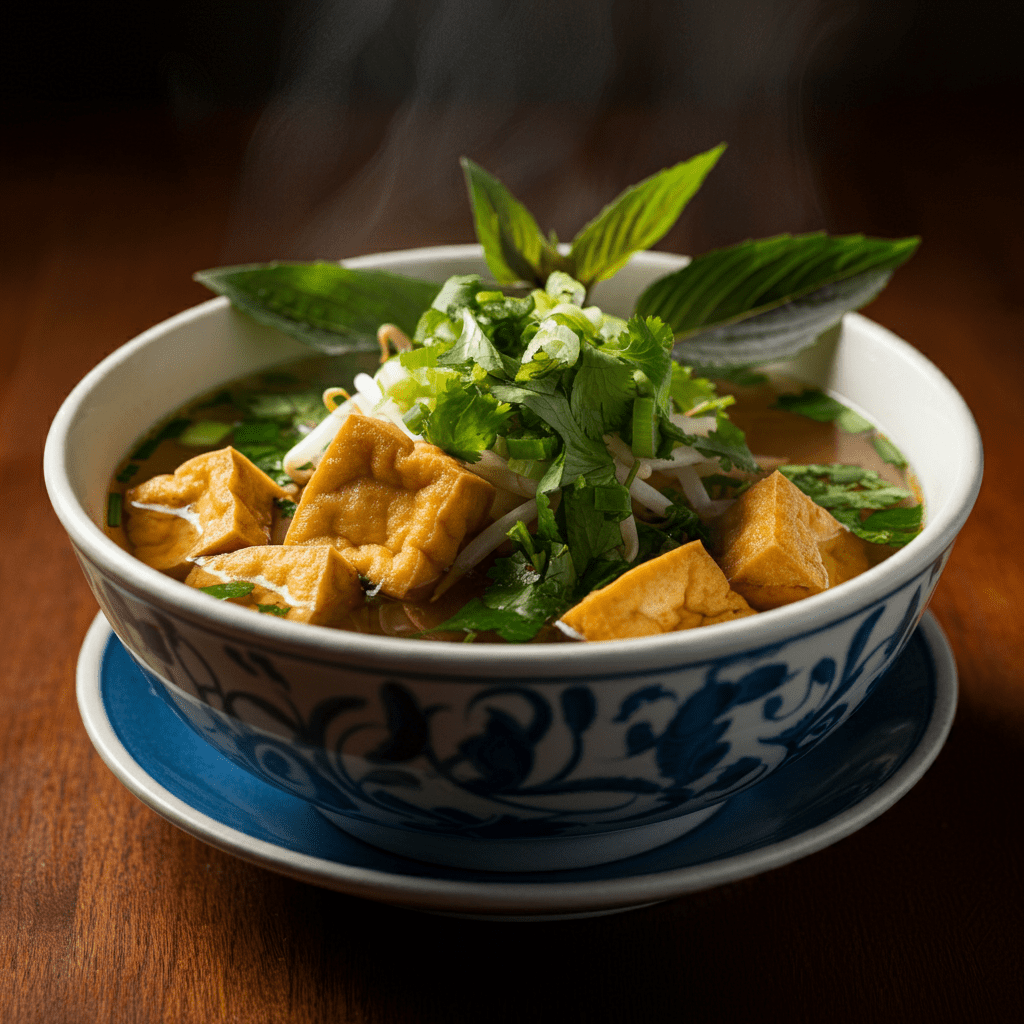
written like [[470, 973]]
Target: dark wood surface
[[109, 913]]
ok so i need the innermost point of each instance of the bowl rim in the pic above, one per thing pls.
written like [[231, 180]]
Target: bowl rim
[[453, 659]]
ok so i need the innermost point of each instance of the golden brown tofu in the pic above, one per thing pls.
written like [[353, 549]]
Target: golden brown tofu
[[397, 510], [778, 546], [211, 504], [681, 589], [307, 584]]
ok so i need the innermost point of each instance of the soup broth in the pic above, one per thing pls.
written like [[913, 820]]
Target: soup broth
[[264, 415]]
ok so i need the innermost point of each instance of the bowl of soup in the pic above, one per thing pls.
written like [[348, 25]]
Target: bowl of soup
[[491, 755]]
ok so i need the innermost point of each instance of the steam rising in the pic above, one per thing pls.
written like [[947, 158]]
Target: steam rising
[[566, 102]]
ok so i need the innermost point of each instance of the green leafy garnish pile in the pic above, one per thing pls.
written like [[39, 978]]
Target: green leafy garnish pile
[[848, 492], [525, 370]]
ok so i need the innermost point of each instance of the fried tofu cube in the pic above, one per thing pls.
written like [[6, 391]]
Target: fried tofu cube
[[778, 546], [681, 589], [213, 503], [305, 584], [397, 510]]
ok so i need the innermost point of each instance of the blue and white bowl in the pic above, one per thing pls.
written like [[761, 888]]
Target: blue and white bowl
[[499, 757]]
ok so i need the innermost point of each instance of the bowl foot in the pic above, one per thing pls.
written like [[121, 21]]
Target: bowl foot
[[521, 854]]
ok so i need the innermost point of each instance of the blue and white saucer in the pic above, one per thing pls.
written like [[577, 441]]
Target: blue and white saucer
[[853, 776]]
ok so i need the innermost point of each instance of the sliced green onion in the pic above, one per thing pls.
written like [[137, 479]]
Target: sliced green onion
[[413, 419], [113, 509], [127, 473], [205, 433], [532, 447], [225, 591], [645, 428], [532, 469]]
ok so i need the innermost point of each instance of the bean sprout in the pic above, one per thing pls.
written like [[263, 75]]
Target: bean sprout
[[484, 543]]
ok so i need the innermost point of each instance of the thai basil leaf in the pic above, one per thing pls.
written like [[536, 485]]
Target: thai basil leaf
[[638, 218], [324, 305], [766, 300], [513, 245]]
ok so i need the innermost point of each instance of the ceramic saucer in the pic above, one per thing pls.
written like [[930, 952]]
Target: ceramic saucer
[[853, 776]]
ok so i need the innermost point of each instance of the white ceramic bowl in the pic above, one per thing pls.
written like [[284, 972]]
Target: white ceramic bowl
[[511, 758]]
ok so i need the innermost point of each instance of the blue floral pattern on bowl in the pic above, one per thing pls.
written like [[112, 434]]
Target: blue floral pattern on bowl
[[515, 758]]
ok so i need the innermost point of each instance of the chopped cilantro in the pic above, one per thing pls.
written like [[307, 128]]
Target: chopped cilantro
[[888, 452], [848, 491], [205, 433], [280, 610], [816, 405], [465, 421], [286, 507]]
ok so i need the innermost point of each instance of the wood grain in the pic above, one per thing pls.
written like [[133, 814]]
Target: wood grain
[[108, 913]]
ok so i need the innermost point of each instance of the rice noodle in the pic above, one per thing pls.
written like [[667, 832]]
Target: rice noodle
[[493, 468], [694, 425], [697, 496], [394, 335], [484, 543], [642, 492], [630, 538]]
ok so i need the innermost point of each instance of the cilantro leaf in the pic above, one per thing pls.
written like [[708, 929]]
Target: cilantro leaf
[[888, 452], [226, 591], [584, 456], [473, 346], [848, 491], [838, 486], [530, 588], [280, 610], [591, 532], [602, 392], [726, 442], [464, 421], [822, 408]]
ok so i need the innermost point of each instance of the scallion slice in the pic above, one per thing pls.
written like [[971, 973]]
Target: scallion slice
[[113, 509]]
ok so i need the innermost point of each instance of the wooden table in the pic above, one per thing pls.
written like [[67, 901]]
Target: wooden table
[[109, 913]]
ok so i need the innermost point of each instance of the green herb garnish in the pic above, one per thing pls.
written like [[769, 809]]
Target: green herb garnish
[[849, 491], [818, 406], [226, 591], [205, 433], [113, 509], [280, 610], [888, 452]]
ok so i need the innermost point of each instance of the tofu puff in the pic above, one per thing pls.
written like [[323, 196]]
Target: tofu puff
[[211, 504], [396, 509], [776, 546], [681, 589], [312, 584]]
